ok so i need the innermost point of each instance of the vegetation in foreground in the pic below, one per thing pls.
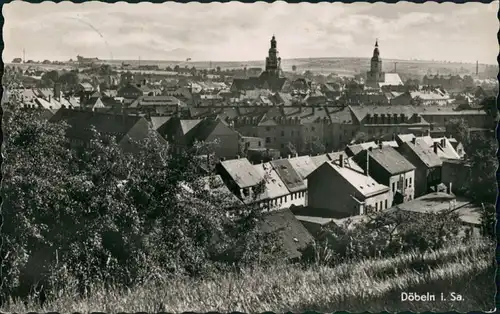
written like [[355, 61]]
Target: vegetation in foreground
[[373, 284]]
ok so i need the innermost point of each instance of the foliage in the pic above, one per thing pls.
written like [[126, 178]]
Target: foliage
[[374, 284], [294, 68], [69, 79], [490, 105], [49, 78], [100, 215], [481, 154], [459, 129], [385, 234]]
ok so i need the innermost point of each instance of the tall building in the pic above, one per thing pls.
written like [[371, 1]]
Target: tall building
[[375, 75], [270, 79], [273, 61], [375, 78]]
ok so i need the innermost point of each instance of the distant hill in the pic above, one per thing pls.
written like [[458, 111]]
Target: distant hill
[[340, 66]]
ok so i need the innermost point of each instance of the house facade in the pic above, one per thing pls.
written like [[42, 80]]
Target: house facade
[[343, 191], [427, 162]]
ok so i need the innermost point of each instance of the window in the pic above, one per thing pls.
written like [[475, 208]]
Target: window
[[386, 204], [282, 145], [393, 186], [259, 144], [268, 140], [313, 129], [376, 206], [292, 132], [246, 192], [282, 133], [381, 205], [406, 183], [268, 128], [285, 198], [410, 183]]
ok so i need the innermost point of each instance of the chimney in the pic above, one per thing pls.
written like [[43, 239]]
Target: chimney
[[380, 145], [393, 136], [296, 155], [450, 191], [428, 132], [435, 147], [414, 140], [237, 156], [367, 169], [288, 156], [49, 98], [57, 91], [341, 161]]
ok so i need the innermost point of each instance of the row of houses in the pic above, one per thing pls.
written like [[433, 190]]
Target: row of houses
[[304, 192]]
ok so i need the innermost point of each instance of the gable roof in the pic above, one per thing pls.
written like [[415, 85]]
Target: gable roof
[[303, 165], [288, 175], [275, 187], [291, 233], [365, 185], [157, 122], [81, 121], [242, 172], [391, 79], [424, 153], [320, 159], [389, 159], [349, 161]]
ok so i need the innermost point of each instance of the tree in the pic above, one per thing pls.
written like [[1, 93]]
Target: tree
[[294, 68], [49, 78], [176, 68], [489, 104], [100, 215], [218, 69], [481, 154], [459, 129], [69, 79]]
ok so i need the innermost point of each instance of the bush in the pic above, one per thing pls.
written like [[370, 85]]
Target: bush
[[383, 234]]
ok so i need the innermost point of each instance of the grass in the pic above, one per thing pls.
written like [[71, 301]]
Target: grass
[[371, 285]]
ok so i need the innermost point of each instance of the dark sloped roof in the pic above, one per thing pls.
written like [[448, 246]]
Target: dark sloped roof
[[424, 153], [389, 159], [291, 234], [289, 176], [81, 121]]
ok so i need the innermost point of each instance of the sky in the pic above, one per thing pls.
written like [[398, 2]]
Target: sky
[[241, 32]]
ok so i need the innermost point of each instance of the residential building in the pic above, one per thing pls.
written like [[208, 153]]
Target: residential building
[[292, 180], [124, 128], [427, 162], [390, 168], [382, 121], [242, 179], [343, 191], [134, 91], [275, 194], [220, 138], [157, 105], [291, 236], [422, 98]]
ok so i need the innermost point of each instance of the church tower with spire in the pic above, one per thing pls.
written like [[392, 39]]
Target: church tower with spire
[[273, 61], [375, 75]]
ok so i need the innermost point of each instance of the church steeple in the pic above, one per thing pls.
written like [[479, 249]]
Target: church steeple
[[273, 42], [376, 52], [273, 61]]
